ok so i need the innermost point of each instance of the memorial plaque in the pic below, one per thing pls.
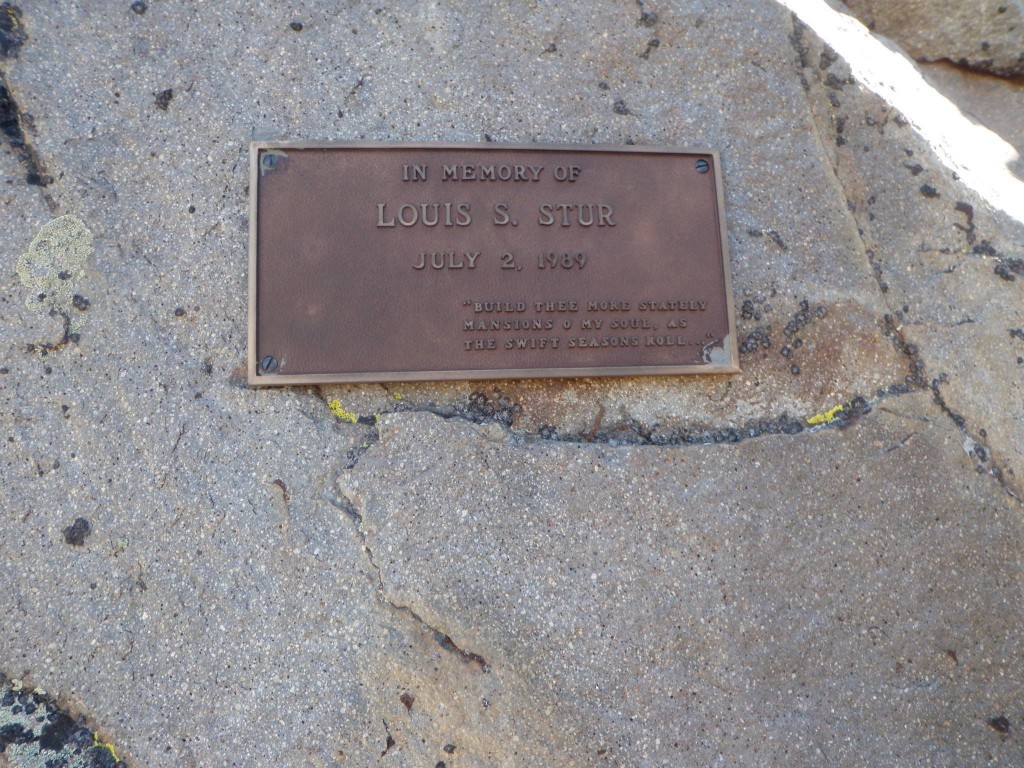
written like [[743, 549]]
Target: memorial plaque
[[400, 262]]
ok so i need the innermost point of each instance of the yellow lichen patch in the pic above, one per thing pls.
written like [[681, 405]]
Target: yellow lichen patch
[[341, 413], [825, 418], [103, 744], [12, 17], [396, 395], [55, 257]]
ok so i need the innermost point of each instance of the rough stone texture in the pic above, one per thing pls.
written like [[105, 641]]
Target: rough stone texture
[[223, 610], [785, 601], [987, 35], [949, 268]]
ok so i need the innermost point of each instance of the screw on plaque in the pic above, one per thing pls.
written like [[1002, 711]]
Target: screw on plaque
[[702, 166], [270, 159], [268, 364]]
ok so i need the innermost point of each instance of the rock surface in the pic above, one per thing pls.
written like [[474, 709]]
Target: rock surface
[[787, 600], [995, 102], [518, 571], [986, 35]]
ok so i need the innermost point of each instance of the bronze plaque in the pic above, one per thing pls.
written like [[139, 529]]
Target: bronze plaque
[[399, 262]]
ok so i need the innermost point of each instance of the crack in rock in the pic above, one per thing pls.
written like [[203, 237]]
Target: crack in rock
[[441, 637], [633, 433], [12, 37], [12, 131], [917, 378], [389, 741], [976, 445]]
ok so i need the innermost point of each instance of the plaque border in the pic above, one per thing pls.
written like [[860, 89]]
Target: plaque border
[[276, 380]]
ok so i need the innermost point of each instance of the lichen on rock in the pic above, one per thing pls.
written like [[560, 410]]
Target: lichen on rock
[[54, 258]]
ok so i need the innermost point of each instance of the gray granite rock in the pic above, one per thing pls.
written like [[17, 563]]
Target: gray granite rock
[[995, 102], [827, 598], [986, 35], [950, 268], [225, 604]]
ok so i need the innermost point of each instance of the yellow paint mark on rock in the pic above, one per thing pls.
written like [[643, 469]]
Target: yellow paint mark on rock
[[827, 417], [55, 257], [103, 745], [341, 413]]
